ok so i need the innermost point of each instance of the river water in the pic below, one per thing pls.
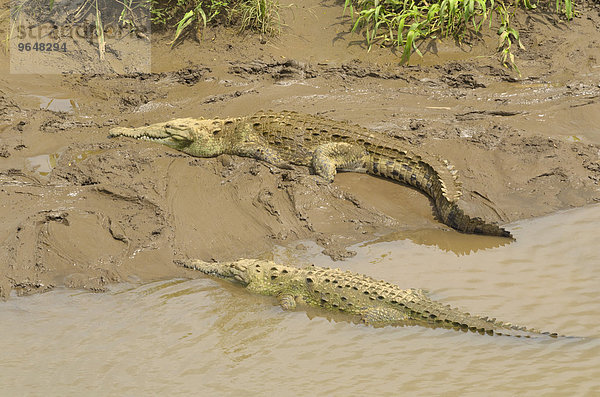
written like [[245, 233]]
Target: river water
[[206, 337]]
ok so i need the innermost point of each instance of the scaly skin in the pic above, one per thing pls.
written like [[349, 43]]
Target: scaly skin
[[287, 138], [376, 302]]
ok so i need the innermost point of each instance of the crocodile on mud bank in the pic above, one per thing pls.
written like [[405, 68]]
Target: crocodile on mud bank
[[376, 302], [288, 138]]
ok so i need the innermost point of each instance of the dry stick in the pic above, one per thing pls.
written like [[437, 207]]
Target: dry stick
[[100, 33]]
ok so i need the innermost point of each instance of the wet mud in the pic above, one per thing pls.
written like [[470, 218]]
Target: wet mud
[[84, 211]]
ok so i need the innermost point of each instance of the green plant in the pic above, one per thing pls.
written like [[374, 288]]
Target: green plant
[[403, 22], [259, 15], [565, 7], [195, 14], [506, 36]]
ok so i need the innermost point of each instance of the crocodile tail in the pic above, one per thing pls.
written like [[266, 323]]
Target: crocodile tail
[[441, 185], [424, 309], [456, 218]]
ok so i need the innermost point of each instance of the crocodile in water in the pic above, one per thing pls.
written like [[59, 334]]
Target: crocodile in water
[[375, 302], [287, 138]]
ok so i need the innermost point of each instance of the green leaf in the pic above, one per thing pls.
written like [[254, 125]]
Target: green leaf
[[182, 24]]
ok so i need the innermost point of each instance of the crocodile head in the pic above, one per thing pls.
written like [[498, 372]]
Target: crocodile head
[[197, 137], [177, 134], [260, 274], [234, 271]]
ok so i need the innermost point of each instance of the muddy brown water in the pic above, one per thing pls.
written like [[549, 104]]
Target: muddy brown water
[[209, 336]]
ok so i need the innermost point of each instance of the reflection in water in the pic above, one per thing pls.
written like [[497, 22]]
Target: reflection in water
[[44, 163], [56, 104], [87, 153], [209, 336], [446, 240], [156, 287]]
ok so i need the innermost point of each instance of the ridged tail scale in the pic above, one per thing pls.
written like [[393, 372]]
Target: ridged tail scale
[[421, 175], [416, 304]]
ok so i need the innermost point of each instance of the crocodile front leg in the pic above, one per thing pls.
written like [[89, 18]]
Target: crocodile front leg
[[261, 152]]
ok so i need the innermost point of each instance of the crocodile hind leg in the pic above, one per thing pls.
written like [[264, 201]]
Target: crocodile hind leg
[[329, 157], [382, 316]]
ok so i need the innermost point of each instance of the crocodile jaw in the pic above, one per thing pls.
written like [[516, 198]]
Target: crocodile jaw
[[233, 271], [167, 141], [175, 134]]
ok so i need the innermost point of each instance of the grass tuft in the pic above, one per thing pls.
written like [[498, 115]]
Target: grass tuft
[[258, 15], [403, 22]]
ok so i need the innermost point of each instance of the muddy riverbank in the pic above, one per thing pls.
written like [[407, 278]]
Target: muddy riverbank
[[85, 211]]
